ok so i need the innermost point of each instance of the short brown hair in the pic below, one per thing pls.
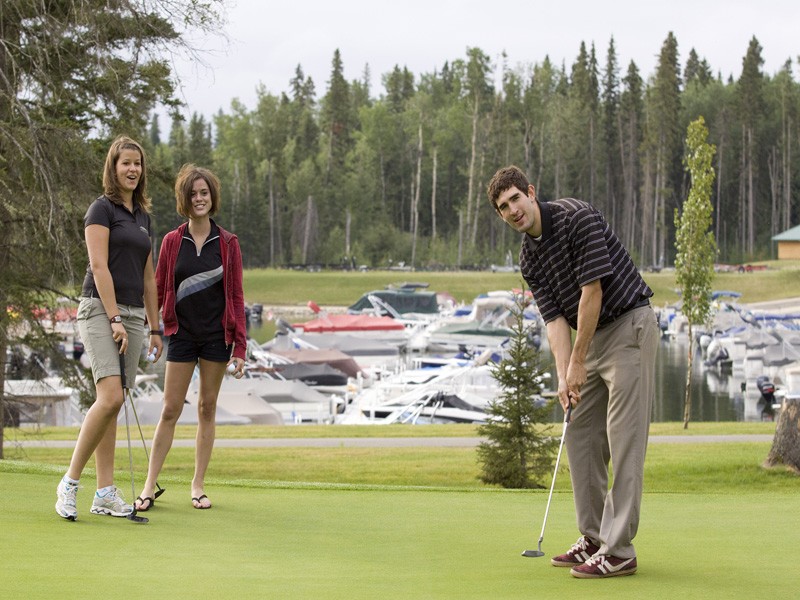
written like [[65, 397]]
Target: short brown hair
[[188, 174], [505, 179], [111, 184]]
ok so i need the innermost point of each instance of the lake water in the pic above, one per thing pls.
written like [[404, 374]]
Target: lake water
[[716, 396]]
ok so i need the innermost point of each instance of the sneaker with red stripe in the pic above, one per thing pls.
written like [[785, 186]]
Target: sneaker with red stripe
[[581, 551], [604, 565]]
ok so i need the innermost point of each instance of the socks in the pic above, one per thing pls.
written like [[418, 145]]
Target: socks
[[67, 479], [103, 491]]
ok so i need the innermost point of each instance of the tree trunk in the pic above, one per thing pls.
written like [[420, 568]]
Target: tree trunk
[[478, 198], [348, 218], [657, 203], [237, 189], [626, 172], [717, 212], [460, 237], [751, 201], [383, 181], [433, 195], [541, 158], [787, 179], [272, 212], [786, 444], [742, 196], [645, 217], [687, 400], [603, 207], [415, 202], [472, 158], [307, 229], [773, 169]]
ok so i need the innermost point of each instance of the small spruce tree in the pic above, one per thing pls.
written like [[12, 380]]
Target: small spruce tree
[[518, 452]]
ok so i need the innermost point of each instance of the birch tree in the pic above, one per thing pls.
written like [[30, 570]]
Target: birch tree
[[694, 242]]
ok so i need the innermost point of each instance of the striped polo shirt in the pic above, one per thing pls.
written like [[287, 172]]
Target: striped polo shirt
[[578, 247]]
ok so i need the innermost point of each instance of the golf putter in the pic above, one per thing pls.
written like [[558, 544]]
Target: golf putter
[[127, 391], [538, 553], [132, 516]]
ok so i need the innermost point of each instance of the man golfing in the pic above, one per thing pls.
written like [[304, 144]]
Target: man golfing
[[582, 278]]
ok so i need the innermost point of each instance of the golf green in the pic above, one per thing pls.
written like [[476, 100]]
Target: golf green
[[283, 541]]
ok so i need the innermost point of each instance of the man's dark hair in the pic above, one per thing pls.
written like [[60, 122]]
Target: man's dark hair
[[504, 179]]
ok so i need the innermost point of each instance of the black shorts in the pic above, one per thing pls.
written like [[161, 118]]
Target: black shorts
[[182, 350]]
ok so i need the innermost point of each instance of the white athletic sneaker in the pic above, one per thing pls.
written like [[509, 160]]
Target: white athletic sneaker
[[67, 494], [111, 504]]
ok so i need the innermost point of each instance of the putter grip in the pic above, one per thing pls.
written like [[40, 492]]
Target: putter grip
[[122, 371], [569, 413]]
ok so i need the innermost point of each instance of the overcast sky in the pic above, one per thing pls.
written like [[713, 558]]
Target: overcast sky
[[268, 39]]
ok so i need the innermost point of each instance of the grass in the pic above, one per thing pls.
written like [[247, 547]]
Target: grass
[[358, 431], [698, 467], [273, 287], [344, 522], [411, 523]]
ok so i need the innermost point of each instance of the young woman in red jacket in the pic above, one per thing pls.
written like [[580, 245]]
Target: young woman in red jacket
[[199, 281]]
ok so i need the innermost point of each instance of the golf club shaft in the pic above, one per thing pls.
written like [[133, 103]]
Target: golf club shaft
[[127, 391], [130, 452], [125, 397], [555, 471], [133, 517]]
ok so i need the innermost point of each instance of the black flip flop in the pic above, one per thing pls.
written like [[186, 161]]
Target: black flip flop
[[199, 501], [150, 502]]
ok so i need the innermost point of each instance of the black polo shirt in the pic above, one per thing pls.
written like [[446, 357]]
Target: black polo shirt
[[199, 289], [578, 247], [128, 249]]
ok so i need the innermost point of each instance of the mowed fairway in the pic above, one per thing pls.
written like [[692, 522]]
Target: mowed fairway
[[265, 540]]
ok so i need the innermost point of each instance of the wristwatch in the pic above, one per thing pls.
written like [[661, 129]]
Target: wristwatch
[[116, 319]]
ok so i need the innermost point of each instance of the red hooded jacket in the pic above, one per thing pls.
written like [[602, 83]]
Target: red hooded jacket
[[233, 320]]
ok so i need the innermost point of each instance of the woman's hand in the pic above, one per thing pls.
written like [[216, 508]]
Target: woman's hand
[[120, 336], [236, 367]]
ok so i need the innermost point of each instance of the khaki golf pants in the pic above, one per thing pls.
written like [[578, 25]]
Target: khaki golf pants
[[612, 423]]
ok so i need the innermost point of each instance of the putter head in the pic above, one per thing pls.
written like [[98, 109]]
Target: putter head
[[534, 553], [159, 491], [136, 518]]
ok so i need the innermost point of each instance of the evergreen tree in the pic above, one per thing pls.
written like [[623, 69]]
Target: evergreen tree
[[629, 123], [662, 149], [198, 142], [611, 154], [613, 140], [72, 75], [179, 147], [479, 96], [750, 105], [155, 131], [696, 70], [336, 119], [303, 137], [519, 451]]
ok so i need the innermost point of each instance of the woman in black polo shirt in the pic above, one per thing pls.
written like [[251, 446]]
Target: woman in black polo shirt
[[119, 291]]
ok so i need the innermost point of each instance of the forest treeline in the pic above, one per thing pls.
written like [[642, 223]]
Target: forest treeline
[[379, 174]]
